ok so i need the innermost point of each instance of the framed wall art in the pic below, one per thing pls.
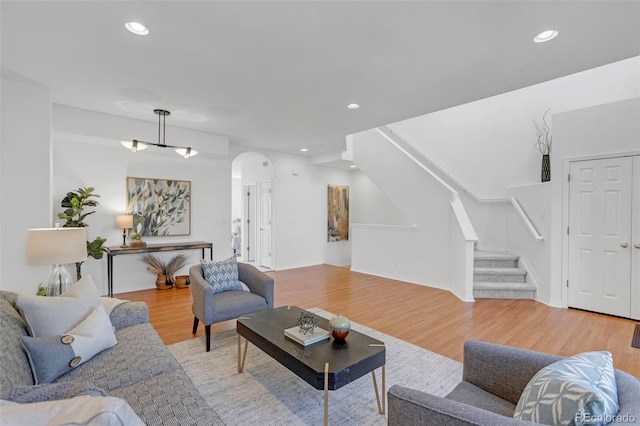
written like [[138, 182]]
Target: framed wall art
[[159, 206], [337, 213]]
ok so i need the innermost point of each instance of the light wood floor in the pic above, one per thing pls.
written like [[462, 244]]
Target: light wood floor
[[433, 319]]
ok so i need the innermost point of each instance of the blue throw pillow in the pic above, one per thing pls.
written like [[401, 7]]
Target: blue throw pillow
[[223, 275], [574, 391]]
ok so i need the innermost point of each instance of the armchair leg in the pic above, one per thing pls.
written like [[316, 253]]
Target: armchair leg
[[195, 325], [207, 332]]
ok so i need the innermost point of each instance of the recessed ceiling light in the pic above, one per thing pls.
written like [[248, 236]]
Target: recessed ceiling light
[[304, 149], [353, 166], [545, 36], [353, 106], [136, 28]]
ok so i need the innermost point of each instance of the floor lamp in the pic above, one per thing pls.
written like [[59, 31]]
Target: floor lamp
[[57, 246]]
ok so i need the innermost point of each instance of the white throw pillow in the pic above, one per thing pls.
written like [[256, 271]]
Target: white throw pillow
[[52, 356], [81, 410], [50, 316]]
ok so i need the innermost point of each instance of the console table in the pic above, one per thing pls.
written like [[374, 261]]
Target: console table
[[149, 248]]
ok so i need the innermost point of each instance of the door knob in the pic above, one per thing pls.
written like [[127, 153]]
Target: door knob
[[637, 246], [624, 245]]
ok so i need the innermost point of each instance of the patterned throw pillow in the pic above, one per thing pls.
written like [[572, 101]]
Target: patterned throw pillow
[[223, 275], [574, 391]]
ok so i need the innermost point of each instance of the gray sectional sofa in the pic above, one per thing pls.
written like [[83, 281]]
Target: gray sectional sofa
[[139, 369]]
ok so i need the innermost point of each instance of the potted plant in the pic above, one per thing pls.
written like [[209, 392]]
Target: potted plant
[[74, 204], [137, 240], [164, 270]]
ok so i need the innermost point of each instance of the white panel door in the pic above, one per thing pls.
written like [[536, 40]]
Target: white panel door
[[599, 235], [265, 225], [635, 238]]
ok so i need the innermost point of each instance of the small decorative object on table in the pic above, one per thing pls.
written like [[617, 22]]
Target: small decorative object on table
[[137, 241], [306, 330], [544, 146], [340, 327]]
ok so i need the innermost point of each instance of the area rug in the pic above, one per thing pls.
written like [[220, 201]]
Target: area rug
[[269, 394]]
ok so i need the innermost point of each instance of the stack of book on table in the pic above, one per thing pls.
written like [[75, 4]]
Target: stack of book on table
[[296, 335]]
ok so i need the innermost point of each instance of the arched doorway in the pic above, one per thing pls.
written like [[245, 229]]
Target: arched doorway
[[252, 209]]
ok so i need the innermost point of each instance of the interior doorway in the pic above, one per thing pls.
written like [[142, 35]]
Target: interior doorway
[[252, 209], [604, 240]]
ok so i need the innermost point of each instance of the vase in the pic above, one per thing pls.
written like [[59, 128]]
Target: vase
[[164, 282], [340, 327], [182, 281], [545, 175]]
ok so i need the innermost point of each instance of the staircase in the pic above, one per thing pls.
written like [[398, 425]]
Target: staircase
[[497, 276]]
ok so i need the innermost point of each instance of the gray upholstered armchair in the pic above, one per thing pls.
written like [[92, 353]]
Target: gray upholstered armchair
[[211, 308], [493, 379]]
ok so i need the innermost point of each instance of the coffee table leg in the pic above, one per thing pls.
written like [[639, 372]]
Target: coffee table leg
[[326, 394], [381, 406], [242, 356]]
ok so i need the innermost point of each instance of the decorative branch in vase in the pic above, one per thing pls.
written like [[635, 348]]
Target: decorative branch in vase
[[543, 144]]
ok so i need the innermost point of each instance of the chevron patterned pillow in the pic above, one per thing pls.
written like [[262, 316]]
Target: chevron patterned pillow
[[223, 275], [577, 390]]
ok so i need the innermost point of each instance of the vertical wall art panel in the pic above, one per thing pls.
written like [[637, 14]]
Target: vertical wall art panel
[[338, 213], [159, 206]]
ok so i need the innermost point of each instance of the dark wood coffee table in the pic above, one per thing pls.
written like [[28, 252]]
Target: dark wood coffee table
[[325, 365]]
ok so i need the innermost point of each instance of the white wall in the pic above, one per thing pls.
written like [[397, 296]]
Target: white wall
[[25, 200], [300, 213], [370, 205], [84, 157], [489, 145], [602, 130], [415, 254], [106, 169], [535, 200]]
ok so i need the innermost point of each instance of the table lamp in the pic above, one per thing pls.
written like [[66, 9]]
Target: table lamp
[[124, 222], [57, 246]]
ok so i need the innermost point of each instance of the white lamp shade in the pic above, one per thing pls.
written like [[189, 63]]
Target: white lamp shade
[[124, 221], [186, 152], [139, 146], [56, 246]]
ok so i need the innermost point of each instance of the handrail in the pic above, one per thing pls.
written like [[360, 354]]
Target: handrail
[[461, 214], [387, 130], [452, 192], [527, 222]]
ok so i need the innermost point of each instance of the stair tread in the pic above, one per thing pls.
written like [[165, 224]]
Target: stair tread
[[498, 270], [485, 285], [486, 255]]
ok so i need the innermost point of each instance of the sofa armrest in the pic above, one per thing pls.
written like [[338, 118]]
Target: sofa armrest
[[414, 407], [201, 294], [128, 314], [257, 281], [501, 370]]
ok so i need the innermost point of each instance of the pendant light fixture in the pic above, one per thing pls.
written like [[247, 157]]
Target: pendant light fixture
[[137, 145]]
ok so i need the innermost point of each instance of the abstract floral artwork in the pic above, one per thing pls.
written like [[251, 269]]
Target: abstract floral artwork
[[159, 206], [337, 213]]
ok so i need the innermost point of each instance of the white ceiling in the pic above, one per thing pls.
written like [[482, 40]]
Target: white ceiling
[[278, 75]]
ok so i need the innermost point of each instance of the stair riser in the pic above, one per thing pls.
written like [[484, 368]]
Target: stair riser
[[500, 278], [495, 263], [504, 294]]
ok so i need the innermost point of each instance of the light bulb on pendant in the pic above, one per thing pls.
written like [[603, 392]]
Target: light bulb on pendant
[[186, 152], [134, 145]]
